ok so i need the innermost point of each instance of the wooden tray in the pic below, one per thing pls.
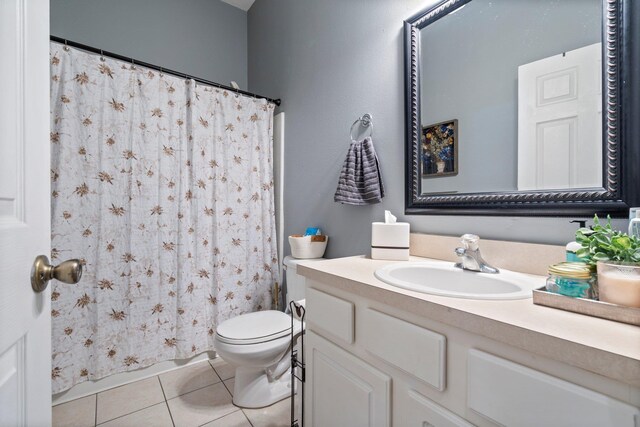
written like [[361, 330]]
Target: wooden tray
[[617, 313]]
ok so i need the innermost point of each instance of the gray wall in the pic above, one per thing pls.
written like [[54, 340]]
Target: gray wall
[[469, 72], [331, 61], [203, 38]]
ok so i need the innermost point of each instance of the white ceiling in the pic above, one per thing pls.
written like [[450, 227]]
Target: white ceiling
[[240, 4]]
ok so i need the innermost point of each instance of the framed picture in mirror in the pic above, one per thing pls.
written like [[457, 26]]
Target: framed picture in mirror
[[439, 153]]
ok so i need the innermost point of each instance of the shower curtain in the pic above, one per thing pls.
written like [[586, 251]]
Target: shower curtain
[[164, 189]]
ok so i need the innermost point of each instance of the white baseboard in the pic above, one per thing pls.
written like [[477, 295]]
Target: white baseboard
[[88, 388]]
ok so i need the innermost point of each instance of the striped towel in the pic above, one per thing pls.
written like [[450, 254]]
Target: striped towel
[[360, 182]]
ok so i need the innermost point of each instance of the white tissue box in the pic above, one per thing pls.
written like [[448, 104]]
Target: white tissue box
[[390, 241]]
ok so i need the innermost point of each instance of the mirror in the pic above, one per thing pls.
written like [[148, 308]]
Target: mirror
[[506, 108]]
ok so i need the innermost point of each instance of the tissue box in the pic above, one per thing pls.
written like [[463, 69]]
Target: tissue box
[[390, 241]]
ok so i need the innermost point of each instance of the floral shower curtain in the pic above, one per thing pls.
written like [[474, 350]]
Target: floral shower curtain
[[164, 189]]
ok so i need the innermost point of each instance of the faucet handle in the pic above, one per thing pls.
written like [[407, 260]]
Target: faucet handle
[[470, 241]]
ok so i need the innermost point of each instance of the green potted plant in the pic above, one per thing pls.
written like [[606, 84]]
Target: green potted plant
[[616, 256]]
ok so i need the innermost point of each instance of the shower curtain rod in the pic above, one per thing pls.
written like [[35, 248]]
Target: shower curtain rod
[[157, 68]]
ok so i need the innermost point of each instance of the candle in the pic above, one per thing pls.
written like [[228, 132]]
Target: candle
[[619, 284]]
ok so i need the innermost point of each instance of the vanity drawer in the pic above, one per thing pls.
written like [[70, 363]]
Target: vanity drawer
[[410, 348], [512, 394], [332, 317]]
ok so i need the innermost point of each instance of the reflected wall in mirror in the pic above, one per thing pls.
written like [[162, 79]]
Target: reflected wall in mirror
[[527, 101], [522, 81]]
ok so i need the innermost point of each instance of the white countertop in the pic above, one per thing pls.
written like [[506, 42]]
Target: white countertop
[[601, 346]]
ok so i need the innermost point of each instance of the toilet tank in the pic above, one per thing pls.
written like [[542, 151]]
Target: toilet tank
[[295, 283]]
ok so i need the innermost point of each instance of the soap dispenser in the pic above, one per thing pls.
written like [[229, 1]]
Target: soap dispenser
[[573, 247], [634, 225]]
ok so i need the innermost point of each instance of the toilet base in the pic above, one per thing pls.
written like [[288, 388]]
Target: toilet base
[[252, 388]]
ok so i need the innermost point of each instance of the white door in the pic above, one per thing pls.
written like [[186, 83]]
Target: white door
[[560, 121], [25, 322]]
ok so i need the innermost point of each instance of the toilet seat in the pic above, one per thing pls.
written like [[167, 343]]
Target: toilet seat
[[255, 328]]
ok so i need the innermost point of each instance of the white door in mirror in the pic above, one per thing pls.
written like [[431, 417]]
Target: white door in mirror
[[560, 121], [442, 278]]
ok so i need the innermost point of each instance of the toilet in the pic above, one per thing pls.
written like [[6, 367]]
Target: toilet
[[258, 345]]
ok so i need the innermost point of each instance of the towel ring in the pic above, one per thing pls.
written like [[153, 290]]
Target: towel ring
[[366, 121]]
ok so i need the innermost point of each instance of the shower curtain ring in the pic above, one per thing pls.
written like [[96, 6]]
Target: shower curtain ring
[[133, 64], [102, 56], [66, 47]]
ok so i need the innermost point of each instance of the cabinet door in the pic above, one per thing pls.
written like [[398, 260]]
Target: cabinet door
[[412, 409], [343, 390]]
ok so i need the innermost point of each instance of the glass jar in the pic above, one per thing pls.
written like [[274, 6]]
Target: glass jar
[[572, 279]]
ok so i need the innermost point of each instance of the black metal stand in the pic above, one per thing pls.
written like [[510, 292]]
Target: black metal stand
[[297, 361]]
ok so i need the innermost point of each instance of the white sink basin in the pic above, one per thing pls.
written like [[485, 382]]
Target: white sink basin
[[442, 278]]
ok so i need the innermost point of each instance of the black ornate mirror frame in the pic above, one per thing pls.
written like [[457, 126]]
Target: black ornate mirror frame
[[621, 130]]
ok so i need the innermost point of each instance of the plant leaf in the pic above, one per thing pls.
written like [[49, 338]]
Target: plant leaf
[[602, 239], [622, 242], [583, 253], [600, 256]]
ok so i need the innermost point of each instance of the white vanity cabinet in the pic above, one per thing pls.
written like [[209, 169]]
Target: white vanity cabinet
[[370, 363]]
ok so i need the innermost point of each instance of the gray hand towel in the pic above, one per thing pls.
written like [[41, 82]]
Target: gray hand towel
[[360, 181]]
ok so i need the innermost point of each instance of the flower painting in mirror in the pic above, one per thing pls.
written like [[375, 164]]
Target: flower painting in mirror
[[440, 149]]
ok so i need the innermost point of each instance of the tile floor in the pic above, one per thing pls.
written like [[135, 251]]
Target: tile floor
[[196, 395]]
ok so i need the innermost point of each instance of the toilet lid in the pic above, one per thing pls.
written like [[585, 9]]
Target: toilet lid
[[256, 327]]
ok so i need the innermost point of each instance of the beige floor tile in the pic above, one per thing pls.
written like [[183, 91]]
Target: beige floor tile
[[77, 413], [187, 379], [156, 416], [230, 384], [236, 419], [201, 406], [276, 415], [128, 398], [224, 369]]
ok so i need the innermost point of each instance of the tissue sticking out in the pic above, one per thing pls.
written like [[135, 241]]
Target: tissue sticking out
[[389, 218]]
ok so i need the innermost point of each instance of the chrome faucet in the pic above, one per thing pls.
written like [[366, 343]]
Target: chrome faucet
[[470, 258]]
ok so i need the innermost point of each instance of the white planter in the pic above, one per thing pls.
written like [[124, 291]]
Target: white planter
[[304, 247]]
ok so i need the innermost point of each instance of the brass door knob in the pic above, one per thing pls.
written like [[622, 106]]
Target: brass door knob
[[69, 271]]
